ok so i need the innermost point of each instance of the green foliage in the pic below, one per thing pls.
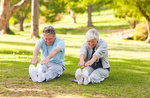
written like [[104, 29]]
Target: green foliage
[[102, 4], [77, 6], [50, 9], [132, 9], [22, 14]]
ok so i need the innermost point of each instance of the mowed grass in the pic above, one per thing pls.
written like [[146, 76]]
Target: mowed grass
[[129, 60]]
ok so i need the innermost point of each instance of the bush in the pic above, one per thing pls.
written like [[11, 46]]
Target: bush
[[140, 32]]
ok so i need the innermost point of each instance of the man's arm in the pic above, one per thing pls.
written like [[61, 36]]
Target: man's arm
[[52, 53], [34, 60]]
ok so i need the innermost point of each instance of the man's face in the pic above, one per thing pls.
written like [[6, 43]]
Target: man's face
[[49, 39], [92, 43]]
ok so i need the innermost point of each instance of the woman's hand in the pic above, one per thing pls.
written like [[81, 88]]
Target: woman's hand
[[81, 63], [90, 62]]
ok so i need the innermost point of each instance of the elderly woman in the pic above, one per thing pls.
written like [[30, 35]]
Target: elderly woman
[[94, 59]]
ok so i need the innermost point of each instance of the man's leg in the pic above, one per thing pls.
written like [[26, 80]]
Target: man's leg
[[53, 71]]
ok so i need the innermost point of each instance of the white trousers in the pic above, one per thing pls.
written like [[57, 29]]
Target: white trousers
[[52, 70], [97, 75]]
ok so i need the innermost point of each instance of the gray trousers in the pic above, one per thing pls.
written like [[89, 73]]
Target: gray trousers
[[97, 75], [52, 70]]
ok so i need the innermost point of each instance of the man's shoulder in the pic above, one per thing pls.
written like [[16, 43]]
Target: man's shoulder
[[58, 39], [40, 41]]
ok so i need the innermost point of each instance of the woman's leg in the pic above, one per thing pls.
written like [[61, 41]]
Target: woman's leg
[[99, 75]]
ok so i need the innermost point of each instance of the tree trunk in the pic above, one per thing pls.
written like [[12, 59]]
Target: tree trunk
[[148, 31], [34, 19], [89, 9], [21, 17], [4, 16], [73, 16], [21, 24], [7, 11], [133, 24]]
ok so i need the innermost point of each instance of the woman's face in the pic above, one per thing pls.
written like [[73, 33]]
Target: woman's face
[[92, 43], [49, 39]]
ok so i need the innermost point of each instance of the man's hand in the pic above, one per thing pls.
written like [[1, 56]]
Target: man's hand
[[45, 61], [90, 62], [34, 60]]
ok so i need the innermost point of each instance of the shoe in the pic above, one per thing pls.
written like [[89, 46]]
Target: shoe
[[41, 75], [86, 78], [33, 73], [78, 76]]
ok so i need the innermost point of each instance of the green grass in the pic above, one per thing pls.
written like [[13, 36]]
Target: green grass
[[129, 60]]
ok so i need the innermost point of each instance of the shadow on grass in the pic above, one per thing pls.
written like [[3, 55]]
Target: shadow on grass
[[17, 43], [124, 72], [16, 51], [72, 31], [128, 47], [112, 27]]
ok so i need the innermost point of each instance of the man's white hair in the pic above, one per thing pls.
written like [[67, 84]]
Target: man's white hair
[[92, 34]]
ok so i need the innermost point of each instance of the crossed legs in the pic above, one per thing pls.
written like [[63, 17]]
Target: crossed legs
[[45, 72], [88, 75]]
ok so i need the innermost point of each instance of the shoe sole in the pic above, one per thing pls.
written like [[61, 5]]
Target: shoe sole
[[85, 77], [79, 76], [33, 73]]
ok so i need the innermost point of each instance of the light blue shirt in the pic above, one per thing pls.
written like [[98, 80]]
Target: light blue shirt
[[45, 50]]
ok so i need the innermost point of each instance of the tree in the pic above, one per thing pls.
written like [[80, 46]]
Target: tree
[[7, 11], [90, 4], [22, 15], [51, 10], [35, 19], [75, 7], [136, 10]]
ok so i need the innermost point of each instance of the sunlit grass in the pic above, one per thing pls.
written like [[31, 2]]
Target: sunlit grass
[[129, 60], [129, 76]]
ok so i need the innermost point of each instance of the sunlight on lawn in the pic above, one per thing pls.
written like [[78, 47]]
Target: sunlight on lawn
[[23, 89], [68, 96], [129, 61]]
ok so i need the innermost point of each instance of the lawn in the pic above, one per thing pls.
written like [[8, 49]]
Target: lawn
[[129, 60]]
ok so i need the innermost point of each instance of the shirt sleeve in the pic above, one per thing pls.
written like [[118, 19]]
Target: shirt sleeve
[[101, 51], [83, 50], [61, 45], [40, 42]]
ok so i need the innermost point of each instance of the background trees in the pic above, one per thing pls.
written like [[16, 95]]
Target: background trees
[[53, 10], [134, 11], [34, 19], [7, 10]]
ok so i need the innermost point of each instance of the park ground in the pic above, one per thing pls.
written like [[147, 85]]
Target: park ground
[[129, 61]]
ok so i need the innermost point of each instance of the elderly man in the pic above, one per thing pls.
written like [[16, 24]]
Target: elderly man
[[94, 59], [52, 57]]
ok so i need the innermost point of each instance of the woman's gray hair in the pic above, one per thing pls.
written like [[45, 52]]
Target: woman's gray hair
[[49, 30], [92, 34]]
